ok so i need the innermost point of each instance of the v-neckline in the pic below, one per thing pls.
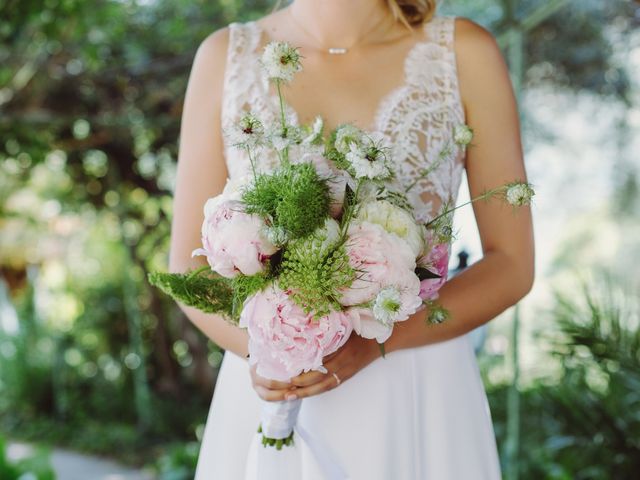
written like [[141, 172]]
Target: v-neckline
[[385, 102]]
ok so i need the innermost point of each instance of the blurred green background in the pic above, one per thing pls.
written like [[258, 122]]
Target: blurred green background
[[94, 360]]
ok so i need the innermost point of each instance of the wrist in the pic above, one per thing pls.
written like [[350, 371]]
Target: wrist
[[374, 350], [398, 336]]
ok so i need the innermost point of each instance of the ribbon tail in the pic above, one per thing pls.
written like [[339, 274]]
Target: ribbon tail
[[331, 468]]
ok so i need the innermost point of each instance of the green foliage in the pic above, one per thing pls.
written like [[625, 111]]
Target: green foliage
[[203, 289], [292, 197], [244, 286], [35, 467], [583, 424], [315, 269], [179, 463]]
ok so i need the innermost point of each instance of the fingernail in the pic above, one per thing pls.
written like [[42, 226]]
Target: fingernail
[[290, 396]]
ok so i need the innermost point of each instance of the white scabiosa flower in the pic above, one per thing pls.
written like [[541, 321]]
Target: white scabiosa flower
[[280, 138], [394, 220], [368, 160], [462, 134], [387, 305], [519, 194], [280, 61], [346, 136], [394, 305], [248, 132]]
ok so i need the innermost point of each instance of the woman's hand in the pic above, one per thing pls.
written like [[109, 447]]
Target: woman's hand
[[345, 362], [348, 360], [269, 390]]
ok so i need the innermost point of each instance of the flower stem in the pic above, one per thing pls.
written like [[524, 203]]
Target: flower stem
[[427, 171], [283, 121], [253, 164], [483, 196], [281, 98]]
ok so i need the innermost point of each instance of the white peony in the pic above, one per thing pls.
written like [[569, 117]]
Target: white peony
[[394, 220], [235, 186]]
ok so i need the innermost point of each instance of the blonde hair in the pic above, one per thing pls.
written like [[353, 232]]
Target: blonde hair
[[409, 12], [412, 12]]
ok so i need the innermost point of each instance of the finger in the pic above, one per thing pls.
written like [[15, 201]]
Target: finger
[[329, 383], [272, 384], [267, 382], [331, 363], [270, 395], [308, 378]]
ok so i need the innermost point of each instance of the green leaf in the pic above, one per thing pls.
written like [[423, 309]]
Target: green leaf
[[202, 289]]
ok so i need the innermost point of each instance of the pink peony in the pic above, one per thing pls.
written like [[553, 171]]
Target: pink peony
[[366, 325], [284, 341], [233, 241], [379, 258], [437, 260]]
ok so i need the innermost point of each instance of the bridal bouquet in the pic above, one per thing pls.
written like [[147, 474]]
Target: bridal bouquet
[[323, 245]]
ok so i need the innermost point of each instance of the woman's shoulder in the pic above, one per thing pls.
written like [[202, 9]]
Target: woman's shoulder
[[480, 63], [472, 38], [236, 32]]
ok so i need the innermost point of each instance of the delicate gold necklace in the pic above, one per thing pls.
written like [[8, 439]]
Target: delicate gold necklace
[[333, 50]]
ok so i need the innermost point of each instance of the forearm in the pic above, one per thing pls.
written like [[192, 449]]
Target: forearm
[[472, 298], [219, 331], [227, 336]]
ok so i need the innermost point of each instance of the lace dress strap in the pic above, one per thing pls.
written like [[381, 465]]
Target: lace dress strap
[[441, 33], [240, 73]]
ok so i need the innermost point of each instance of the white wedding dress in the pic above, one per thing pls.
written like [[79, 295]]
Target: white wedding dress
[[419, 413]]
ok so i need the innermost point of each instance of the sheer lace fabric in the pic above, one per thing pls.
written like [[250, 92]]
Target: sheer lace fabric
[[416, 119]]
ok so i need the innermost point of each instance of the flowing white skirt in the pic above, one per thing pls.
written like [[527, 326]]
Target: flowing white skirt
[[419, 413]]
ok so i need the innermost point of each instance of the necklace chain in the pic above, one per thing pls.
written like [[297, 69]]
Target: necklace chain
[[333, 50]]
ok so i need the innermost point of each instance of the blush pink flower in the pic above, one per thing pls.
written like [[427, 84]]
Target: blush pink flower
[[284, 341], [377, 323], [380, 258], [437, 261], [232, 240]]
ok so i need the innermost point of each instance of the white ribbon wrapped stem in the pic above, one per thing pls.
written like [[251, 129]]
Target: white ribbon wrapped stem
[[278, 418]]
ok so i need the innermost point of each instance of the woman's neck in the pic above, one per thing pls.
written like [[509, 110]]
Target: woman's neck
[[340, 23]]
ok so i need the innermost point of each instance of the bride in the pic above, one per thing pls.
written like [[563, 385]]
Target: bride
[[396, 68]]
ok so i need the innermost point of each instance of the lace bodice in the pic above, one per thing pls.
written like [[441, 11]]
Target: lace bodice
[[415, 119]]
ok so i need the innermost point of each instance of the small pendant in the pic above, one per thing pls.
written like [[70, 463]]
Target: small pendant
[[337, 51]]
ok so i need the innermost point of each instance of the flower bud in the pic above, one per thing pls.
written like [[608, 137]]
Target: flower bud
[[462, 134]]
